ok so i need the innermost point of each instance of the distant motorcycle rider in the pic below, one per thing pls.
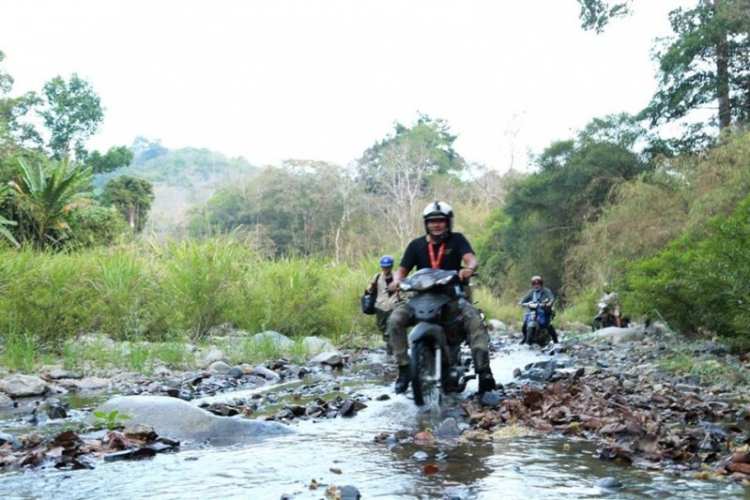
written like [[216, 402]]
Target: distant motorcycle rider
[[440, 248], [609, 304], [543, 295], [386, 300]]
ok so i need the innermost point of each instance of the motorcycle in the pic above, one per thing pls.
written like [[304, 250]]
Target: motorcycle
[[538, 320], [607, 318], [437, 362]]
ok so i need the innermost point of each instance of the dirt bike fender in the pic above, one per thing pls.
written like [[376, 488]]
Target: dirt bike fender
[[427, 332]]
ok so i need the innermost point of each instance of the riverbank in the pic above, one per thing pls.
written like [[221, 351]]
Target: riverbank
[[648, 399]]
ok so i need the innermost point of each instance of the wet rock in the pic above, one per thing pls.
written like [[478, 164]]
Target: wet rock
[[265, 373], [10, 440], [609, 483], [491, 398], [348, 409], [141, 431], [6, 401], [134, 454], [328, 358], [19, 385], [448, 429], [541, 371], [184, 421], [57, 411], [420, 456], [348, 492], [235, 372]]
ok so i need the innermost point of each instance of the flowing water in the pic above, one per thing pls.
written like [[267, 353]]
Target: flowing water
[[344, 452]]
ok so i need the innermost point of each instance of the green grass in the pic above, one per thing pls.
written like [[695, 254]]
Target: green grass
[[19, 351], [708, 371]]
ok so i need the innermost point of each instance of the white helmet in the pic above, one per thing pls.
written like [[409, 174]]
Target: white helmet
[[438, 210]]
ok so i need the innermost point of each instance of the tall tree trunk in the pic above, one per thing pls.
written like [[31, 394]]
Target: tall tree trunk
[[722, 74]]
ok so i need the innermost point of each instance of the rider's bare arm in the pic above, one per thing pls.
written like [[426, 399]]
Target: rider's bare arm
[[400, 274], [470, 261]]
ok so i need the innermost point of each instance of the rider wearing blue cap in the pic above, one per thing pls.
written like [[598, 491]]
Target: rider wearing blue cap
[[386, 299]]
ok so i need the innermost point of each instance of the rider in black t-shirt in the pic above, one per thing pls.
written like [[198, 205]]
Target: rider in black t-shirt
[[440, 248]]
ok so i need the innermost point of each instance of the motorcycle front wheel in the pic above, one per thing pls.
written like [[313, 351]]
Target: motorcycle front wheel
[[424, 379], [532, 333]]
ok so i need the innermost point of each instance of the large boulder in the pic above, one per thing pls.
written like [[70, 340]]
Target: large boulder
[[19, 385], [178, 419], [616, 335], [274, 339]]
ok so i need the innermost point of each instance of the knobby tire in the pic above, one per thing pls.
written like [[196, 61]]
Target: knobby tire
[[422, 372]]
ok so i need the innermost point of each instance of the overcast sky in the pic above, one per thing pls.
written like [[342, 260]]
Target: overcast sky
[[324, 80]]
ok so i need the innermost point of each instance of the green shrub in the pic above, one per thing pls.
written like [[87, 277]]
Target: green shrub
[[700, 281]]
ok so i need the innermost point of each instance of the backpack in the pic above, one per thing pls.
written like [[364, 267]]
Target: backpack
[[368, 299]]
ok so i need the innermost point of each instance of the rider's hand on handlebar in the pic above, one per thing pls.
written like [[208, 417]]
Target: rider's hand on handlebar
[[465, 273]]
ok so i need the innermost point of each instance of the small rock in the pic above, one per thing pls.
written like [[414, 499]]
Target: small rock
[[448, 429], [219, 367], [608, 483], [349, 492]]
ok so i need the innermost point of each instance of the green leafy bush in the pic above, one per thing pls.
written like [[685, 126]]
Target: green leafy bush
[[700, 281]]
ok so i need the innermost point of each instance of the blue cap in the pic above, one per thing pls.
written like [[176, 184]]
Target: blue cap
[[386, 261]]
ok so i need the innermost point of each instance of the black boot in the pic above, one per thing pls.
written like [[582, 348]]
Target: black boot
[[402, 382], [482, 367]]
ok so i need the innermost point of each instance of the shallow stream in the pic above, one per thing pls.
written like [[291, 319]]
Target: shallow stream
[[344, 452]]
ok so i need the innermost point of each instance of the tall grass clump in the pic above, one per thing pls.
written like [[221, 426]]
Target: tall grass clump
[[199, 281], [46, 294], [19, 350], [125, 283], [288, 295]]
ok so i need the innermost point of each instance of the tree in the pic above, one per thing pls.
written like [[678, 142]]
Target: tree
[[114, 159], [46, 191], [14, 132], [706, 63], [398, 170], [4, 189], [596, 14], [72, 113], [132, 197], [545, 212]]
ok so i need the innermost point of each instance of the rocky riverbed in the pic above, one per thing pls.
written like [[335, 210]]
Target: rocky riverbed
[[617, 388], [620, 388]]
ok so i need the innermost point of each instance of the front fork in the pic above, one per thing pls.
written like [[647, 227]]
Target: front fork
[[439, 368]]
